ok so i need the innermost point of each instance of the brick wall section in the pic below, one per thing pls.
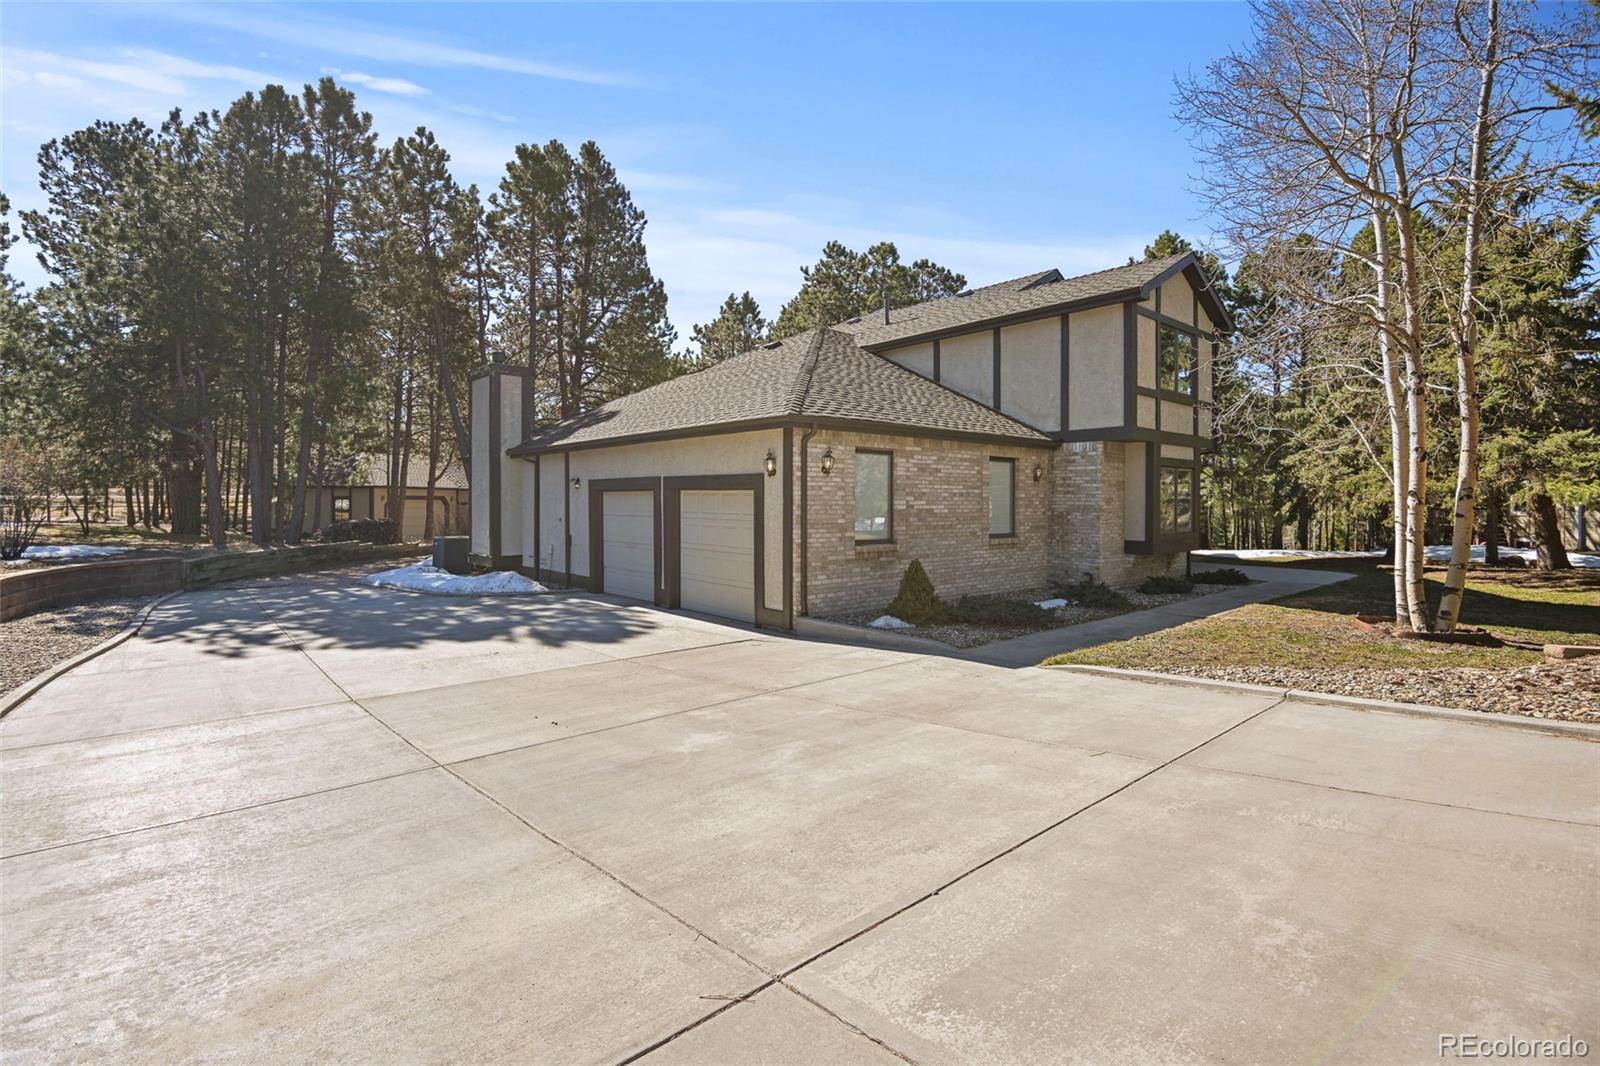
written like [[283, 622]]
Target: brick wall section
[[1087, 492], [941, 516], [27, 591]]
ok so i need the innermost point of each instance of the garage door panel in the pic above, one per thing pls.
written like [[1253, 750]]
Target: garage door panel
[[717, 553], [628, 541]]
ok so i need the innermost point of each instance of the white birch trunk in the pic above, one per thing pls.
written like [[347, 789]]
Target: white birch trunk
[[1466, 338]]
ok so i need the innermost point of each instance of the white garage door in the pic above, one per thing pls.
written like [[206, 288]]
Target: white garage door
[[717, 574], [629, 544]]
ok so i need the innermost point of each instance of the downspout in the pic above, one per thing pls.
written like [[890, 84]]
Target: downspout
[[566, 517], [805, 470]]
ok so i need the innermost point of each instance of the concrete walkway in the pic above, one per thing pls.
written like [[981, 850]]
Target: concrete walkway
[[1271, 582], [325, 823]]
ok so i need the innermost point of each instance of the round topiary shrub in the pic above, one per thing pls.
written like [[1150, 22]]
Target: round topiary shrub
[[916, 602]]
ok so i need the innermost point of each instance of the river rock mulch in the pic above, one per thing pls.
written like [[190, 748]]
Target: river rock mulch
[[34, 643], [1568, 690], [968, 635]]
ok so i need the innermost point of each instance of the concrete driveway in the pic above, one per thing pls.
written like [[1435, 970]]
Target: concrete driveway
[[326, 822]]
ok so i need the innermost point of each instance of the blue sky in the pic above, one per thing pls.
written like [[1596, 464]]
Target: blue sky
[[997, 139]]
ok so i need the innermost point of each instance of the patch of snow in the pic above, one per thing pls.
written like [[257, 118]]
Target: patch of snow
[[425, 577], [1280, 553], [70, 551], [1051, 605], [889, 621], [1440, 553]]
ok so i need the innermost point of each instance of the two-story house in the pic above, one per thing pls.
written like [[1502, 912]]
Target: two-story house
[[1041, 427]]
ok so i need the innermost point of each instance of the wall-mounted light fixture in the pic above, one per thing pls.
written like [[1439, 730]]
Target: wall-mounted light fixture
[[771, 464], [1038, 472], [576, 482], [827, 461]]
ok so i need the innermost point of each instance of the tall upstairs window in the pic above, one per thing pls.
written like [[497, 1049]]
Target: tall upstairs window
[[1175, 359], [874, 495]]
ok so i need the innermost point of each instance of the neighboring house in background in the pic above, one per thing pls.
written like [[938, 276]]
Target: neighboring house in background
[[363, 492], [1041, 427]]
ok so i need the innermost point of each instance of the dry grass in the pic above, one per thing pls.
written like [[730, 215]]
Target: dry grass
[[1310, 640]]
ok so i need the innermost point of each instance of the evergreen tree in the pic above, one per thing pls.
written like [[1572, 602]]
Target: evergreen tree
[[844, 284], [737, 328]]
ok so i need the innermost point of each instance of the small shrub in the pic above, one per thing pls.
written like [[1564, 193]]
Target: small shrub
[[366, 530], [916, 602], [1227, 575], [1162, 585], [1000, 611], [1088, 592]]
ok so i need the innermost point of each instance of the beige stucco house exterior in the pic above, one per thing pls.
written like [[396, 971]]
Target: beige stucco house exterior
[[1041, 427]]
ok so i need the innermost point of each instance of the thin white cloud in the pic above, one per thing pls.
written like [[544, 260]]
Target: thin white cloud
[[361, 39], [52, 65], [396, 86], [180, 67], [473, 111]]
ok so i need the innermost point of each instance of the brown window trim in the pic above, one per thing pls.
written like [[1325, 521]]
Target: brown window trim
[[889, 510], [1161, 530], [1178, 395], [1012, 462]]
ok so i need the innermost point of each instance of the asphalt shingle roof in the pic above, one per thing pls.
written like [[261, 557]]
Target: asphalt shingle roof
[[1033, 292], [830, 374], [819, 374], [374, 470]]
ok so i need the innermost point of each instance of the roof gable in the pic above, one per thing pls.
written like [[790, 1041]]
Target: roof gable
[[1030, 296]]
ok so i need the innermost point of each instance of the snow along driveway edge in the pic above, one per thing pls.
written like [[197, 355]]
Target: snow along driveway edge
[[20, 694], [1580, 730]]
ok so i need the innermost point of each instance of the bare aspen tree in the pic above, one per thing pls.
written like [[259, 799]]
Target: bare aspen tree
[[1410, 119]]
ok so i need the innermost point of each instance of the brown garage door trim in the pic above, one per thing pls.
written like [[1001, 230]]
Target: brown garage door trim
[[597, 552], [672, 526]]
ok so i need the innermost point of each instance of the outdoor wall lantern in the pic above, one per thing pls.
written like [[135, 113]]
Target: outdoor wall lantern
[[771, 464], [1038, 472], [827, 461], [577, 481]]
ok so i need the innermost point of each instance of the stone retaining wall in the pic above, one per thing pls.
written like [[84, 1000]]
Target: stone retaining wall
[[27, 591]]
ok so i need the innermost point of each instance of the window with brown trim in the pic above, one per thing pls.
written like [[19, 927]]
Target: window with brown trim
[[1175, 359], [874, 495], [1177, 499], [1002, 497], [341, 508]]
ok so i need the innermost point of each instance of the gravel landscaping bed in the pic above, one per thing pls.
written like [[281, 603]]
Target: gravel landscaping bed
[[33, 644], [1566, 690], [968, 635]]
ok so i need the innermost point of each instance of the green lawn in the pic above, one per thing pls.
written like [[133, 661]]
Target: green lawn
[[1316, 629]]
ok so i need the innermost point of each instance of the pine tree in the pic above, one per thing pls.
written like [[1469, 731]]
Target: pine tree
[[844, 284], [737, 328]]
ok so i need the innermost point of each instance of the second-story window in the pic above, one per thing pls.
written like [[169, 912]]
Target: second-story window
[[1175, 357], [874, 495]]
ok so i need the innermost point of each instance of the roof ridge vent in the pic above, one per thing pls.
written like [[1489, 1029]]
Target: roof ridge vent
[[767, 347], [967, 292]]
